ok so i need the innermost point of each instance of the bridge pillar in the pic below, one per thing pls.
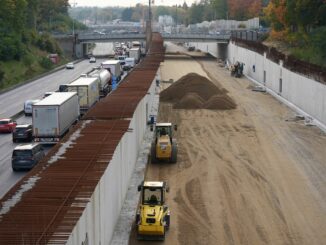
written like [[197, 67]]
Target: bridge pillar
[[79, 50], [222, 50], [67, 45]]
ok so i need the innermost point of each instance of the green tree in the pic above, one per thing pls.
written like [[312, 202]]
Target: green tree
[[221, 8], [196, 13], [127, 14]]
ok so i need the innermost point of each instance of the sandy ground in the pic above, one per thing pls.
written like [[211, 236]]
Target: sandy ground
[[244, 176]]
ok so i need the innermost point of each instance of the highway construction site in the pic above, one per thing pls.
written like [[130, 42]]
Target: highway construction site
[[248, 170]]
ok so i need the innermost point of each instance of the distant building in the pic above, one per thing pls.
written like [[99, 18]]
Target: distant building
[[165, 20]]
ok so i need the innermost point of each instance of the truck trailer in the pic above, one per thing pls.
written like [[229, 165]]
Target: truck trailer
[[87, 89], [53, 116], [114, 67], [135, 53], [104, 80]]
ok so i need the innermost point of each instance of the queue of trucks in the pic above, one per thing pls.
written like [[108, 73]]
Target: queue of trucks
[[53, 115], [56, 112]]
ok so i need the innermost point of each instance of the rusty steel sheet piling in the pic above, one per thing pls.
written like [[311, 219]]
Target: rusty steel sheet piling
[[45, 206]]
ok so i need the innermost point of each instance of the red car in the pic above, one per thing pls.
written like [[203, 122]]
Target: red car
[[7, 125]]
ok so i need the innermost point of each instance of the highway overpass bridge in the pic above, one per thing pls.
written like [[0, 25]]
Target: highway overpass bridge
[[96, 37], [80, 42]]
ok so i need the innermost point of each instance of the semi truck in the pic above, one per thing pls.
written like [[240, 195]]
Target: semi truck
[[114, 67], [104, 79], [135, 53], [53, 116], [87, 89]]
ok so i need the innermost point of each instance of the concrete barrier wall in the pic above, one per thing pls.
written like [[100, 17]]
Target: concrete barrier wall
[[97, 223], [210, 48], [302, 92]]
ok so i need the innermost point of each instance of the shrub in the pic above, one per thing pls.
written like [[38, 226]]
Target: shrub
[[2, 75], [27, 60], [46, 63], [243, 26], [10, 47]]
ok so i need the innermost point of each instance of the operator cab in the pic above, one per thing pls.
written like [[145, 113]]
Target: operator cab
[[153, 192], [164, 129]]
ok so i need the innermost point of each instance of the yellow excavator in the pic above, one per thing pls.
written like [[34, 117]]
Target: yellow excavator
[[153, 216], [164, 146]]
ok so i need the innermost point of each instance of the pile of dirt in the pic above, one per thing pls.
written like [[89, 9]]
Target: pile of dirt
[[190, 101], [220, 102], [193, 91], [190, 83]]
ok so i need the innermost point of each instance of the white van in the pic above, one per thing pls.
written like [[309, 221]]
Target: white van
[[28, 106]]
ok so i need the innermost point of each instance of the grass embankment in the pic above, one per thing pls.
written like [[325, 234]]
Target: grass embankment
[[33, 63]]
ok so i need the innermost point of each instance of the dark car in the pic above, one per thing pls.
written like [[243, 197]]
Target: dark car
[[22, 132], [25, 157], [7, 125]]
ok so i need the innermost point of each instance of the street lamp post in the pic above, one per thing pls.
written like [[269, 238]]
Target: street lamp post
[[149, 12], [73, 20], [149, 26]]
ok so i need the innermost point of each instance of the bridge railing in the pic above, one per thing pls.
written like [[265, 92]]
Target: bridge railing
[[97, 36], [196, 36]]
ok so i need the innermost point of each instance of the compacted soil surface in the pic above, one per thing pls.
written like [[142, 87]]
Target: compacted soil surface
[[248, 174]]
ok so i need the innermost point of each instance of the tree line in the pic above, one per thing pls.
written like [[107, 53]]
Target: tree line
[[203, 10], [25, 22], [301, 24]]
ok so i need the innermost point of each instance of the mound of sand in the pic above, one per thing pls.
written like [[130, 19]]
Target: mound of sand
[[190, 101], [190, 83], [220, 102], [193, 91]]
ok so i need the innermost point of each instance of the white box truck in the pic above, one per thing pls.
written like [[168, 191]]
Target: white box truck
[[114, 67], [134, 53], [53, 116], [104, 77], [130, 62], [87, 89]]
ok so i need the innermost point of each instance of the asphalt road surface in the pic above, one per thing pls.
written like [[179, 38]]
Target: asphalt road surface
[[13, 101]]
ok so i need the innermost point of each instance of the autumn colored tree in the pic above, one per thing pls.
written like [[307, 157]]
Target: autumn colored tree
[[244, 9], [276, 11], [295, 15]]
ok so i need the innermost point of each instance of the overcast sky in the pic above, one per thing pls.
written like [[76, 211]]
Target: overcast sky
[[126, 3]]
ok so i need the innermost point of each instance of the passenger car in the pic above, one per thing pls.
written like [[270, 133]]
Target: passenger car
[[26, 156], [28, 110], [70, 65], [92, 60], [22, 132], [7, 125]]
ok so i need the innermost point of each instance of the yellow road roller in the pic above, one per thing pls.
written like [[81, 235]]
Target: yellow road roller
[[164, 146], [153, 216]]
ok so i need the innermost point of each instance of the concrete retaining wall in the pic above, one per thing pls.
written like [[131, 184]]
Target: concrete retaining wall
[[305, 94], [96, 225], [210, 48]]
